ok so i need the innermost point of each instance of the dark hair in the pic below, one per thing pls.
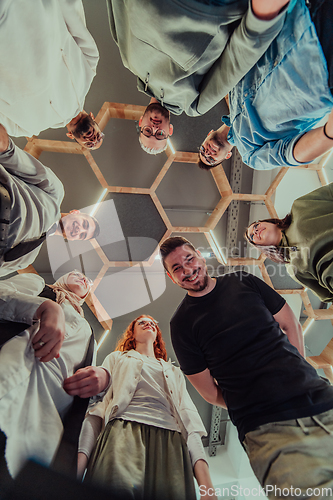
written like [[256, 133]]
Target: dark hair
[[170, 244], [273, 252], [205, 166], [128, 342], [83, 126]]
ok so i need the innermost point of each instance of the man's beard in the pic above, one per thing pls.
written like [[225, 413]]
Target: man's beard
[[155, 106], [198, 287]]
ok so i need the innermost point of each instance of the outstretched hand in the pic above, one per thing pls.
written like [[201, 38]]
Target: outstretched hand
[[87, 382], [4, 140], [50, 336], [267, 10]]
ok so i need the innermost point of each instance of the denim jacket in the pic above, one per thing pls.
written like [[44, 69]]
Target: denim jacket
[[283, 96]]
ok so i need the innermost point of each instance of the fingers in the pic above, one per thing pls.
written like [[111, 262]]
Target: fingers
[[87, 382]]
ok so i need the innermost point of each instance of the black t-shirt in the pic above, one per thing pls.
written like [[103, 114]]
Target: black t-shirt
[[232, 332]]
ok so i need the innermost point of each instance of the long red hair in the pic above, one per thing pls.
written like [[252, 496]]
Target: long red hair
[[128, 342]]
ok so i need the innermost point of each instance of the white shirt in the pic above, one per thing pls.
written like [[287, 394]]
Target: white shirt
[[48, 61], [32, 399]]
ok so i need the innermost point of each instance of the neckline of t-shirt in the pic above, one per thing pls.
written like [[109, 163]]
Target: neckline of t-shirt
[[190, 298]]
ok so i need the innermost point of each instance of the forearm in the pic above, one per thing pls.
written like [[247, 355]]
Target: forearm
[[202, 476], [295, 337], [314, 143], [91, 428], [246, 45], [207, 387]]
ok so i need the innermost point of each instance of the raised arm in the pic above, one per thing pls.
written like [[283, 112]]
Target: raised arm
[[314, 143], [291, 327], [207, 388], [258, 28]]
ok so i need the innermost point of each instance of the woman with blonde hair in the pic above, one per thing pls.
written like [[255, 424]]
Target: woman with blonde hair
[[144, 422], [44, 339], [303, 240]]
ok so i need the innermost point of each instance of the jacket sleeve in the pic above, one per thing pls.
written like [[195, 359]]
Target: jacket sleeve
[[191, 420], [246, 45], [99, 408], [30, 170], [74, 17], [19, 299], [273, 154]]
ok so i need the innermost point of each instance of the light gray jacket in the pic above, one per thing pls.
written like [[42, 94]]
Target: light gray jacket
[[187, 54]]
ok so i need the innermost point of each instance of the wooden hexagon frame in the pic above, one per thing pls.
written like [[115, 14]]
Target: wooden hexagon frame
[[110, 110]]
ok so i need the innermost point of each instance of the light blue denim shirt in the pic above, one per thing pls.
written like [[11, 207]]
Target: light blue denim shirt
[[283, 96]]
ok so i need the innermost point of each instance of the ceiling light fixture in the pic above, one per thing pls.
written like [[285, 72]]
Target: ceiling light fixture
[[171, 146], [94, 210], [103, 337], [308, 326], [216, 249]]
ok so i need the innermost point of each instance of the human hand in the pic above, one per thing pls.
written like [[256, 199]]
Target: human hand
[[4, 140], [50, 336], [267, 10], [87, 382]]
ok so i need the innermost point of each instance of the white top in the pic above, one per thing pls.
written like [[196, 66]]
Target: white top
[[36, 194], [32, 400], [126, 370], [150, 404], [48, 61]]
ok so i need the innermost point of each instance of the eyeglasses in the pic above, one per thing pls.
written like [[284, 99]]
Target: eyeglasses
[[144, 322], [251, 236], [209, 159], [159, 134], [91, 144]]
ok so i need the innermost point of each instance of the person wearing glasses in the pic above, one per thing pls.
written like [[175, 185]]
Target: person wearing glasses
[[47, 69], [276, 107], [302, 240], [188, 55], [149, 431], [44, 339]]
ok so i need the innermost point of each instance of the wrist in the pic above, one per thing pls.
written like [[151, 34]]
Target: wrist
[[327, 132]]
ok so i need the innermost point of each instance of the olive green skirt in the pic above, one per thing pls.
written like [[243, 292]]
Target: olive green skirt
[[142, 461]]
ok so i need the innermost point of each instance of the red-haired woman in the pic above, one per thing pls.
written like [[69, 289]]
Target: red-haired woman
[[147, 416]]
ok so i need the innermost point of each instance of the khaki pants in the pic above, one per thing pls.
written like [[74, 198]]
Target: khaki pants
[[294, 459], [142, 462]]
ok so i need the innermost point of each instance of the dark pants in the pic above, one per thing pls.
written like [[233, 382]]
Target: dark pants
[[321, 12]]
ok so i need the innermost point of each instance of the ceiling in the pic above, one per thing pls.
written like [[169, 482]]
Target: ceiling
[[183, 196]]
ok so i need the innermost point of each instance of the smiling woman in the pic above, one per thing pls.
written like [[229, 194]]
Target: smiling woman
[[303, 240], [50, 341], [149, 416]]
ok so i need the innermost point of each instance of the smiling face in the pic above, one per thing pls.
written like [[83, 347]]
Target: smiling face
[[78, 226], [187, 268], [85, 131], [155, 122], [78, 284], [264, 233], [215, 148], [145, 330]]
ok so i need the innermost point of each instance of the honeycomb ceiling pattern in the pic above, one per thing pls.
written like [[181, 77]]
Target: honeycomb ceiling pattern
[[110, 110]]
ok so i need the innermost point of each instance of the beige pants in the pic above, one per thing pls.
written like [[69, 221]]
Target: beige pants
[[294, 459]]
